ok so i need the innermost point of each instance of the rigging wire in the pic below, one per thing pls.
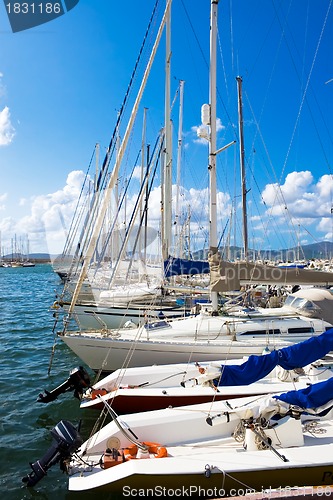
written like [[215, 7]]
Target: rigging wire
[[102, 177], [278, 193], [305, 100], [127, 93], [307, 86], [68, 242]]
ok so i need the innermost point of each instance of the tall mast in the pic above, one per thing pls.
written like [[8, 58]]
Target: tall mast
[[143, 163], [212, 141], [146, 208], [179, 156], [167, 175], [116, 239], [242, 164]]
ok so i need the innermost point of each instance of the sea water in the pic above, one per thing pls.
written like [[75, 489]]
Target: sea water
[[27, 334]]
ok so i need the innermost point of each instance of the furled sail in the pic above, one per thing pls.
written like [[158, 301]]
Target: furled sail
[[226, 275], [223, 277], [175, 267], [289, 358], [314, 396]]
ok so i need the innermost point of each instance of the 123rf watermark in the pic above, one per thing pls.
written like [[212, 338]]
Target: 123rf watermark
[[206, 493]]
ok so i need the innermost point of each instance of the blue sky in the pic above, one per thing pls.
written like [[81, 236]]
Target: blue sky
[[62, 85]]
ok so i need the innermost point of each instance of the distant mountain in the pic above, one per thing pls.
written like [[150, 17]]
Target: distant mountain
[[320, 250], [40, 256]]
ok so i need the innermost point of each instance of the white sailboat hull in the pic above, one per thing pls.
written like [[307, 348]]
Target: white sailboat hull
[[207, 457], [131, 390], [199, 338], [237, 472], [109, 354]]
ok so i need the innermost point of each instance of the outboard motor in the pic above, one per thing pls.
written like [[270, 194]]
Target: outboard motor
[[77, 381], [66, 440]]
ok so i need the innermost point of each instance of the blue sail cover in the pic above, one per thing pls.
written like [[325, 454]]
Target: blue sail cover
[[314, 396], [294, 356], [175, 267]]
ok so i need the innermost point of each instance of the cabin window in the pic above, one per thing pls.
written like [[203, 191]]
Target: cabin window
[[304, 329], [262, 332], [156, 324], [299, 303], [289, 300]]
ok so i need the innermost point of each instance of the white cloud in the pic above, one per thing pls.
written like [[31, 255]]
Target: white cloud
[[299, 196], [294, 188], [305, 202], [219, 125], [7, 130], [326, 226], [50, 216], [301, 202], [325, 186], [6, 225], [137, 172]]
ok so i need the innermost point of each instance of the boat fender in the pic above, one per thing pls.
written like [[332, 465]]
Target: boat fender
[[133, 451]]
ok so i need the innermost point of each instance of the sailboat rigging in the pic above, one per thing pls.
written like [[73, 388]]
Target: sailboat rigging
[[208, 334]]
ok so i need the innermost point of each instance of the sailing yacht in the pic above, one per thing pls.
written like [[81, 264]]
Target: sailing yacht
[[204, 337]]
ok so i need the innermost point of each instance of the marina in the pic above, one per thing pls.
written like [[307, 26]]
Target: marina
[[205, 375], [25, 423]]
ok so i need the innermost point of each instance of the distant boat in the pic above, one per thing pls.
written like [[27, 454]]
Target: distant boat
[[16, 264], [293, 265], [28, 264]]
